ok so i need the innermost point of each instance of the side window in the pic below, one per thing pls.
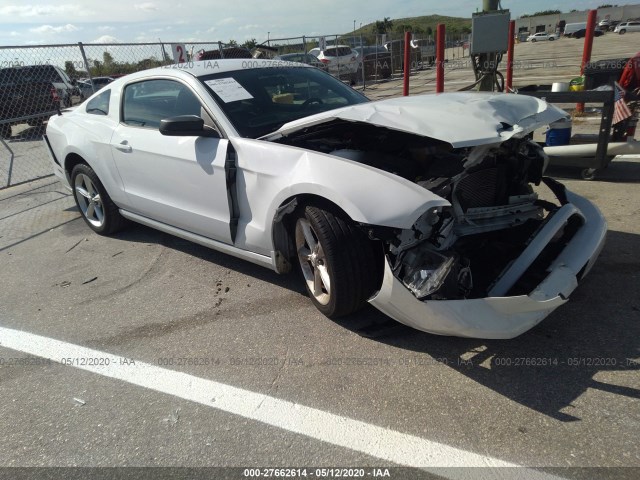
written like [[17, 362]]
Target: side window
[[100, 104], [146, 103]]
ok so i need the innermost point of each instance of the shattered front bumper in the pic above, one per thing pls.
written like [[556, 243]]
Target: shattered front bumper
[[500, 316]]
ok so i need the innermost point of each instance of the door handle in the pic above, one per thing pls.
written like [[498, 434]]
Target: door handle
[[124, 146]]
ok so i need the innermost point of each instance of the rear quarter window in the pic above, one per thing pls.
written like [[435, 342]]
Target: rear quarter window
[[100, 104]]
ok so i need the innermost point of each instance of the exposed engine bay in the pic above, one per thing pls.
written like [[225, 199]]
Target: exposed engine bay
[[461, 251]]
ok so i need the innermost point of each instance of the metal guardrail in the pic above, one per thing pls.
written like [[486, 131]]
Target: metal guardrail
[[606, 98]]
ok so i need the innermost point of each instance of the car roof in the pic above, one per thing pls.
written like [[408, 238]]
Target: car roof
[[205, 67]]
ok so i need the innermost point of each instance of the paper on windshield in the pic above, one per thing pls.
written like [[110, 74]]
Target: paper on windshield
[[228, 89]]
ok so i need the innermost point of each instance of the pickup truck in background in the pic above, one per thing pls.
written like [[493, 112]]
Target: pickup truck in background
[[31, 94]]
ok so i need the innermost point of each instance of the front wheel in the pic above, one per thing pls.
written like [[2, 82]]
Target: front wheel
[[551, 39], [622, 32], [93, 201], [533, 40], [339, 264]]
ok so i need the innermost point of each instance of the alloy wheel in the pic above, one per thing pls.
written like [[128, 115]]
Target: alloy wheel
[[313, 261], [89, 200]]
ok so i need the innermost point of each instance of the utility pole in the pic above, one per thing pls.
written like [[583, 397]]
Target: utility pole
[[488, 59]]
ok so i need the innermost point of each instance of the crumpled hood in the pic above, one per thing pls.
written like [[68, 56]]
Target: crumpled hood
[[462, 119]]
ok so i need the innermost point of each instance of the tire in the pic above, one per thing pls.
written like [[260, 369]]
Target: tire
[[96, 207], [551, 39], [533, 40], [339, 264], [623, 31]]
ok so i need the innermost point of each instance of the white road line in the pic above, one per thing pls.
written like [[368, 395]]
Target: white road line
[[379, 442]]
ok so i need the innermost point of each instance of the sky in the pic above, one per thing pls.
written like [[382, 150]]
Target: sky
[[32, 22]]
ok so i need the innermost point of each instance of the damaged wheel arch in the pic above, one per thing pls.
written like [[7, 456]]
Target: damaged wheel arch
[[367, 251]]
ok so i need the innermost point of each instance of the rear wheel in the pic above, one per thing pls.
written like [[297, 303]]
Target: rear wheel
[[93, 201], [338, 262]]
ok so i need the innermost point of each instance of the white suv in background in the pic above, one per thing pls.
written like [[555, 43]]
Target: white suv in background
[[625, 27], [341, 60]]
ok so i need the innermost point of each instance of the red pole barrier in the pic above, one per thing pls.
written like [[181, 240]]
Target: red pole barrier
[[407, 63], [588, 46], [440, 58], [512, 33]]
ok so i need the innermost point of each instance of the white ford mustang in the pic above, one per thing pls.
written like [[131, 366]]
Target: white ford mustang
[[424, 206]]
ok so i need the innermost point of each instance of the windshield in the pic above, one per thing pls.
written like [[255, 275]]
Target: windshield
[[259, 101]]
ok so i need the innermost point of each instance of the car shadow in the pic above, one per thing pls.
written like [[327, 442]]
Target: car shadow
[[549, 367], [545, 369], [142, 234]]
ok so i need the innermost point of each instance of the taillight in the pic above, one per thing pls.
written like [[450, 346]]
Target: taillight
[[54, 95], [324, 60]]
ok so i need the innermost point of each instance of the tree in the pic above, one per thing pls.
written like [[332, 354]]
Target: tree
[[107, 59], [70, 69], [250, 44], [384, 26], [540, 14], [232, 43], [403, 28], [97, 69], [429, 31]]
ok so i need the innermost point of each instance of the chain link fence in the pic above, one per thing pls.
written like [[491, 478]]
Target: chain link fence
[[37, 81]]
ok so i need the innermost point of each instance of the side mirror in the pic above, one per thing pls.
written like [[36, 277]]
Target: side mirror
[[74, 82], [186, 126]]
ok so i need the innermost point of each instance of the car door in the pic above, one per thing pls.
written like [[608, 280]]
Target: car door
[[179, 181]]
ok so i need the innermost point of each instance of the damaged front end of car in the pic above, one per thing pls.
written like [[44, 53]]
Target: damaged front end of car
[[500, 258], [496, 257]]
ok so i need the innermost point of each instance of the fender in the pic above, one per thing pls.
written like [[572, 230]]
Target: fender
[[88, 141], [270, 174]]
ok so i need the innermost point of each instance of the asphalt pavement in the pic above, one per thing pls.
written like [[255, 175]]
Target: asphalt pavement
[[563, 395]]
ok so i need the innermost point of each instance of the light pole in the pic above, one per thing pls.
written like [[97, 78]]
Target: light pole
[[268, 33]]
